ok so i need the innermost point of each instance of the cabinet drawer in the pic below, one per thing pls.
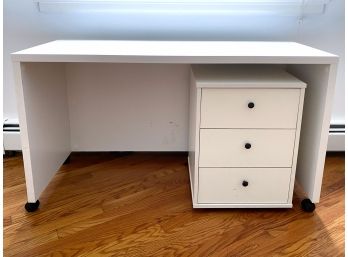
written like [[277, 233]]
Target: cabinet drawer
[[225, 185], [228, 147], [249, 108]]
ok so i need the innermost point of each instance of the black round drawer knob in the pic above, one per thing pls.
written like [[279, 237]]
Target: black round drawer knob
[[245, 183], [251, 105], [247, 146]]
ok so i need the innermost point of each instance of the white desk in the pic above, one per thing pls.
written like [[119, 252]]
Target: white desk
[[48, 117]]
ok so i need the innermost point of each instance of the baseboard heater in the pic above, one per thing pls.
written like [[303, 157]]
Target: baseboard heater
[[336, 138], [11, 132]]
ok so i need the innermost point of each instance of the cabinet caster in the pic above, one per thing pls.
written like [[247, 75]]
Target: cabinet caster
[[307, 205], [31, 207], [67, 161]]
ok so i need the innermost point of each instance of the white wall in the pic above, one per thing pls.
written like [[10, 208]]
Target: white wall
[[326, 32], [25, 26]]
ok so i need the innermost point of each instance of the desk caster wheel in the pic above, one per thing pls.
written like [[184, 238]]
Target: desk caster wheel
[[67, 161], [307, 205], [31, 207]]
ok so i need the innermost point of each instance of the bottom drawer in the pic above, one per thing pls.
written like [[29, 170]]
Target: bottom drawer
[[243, 185]]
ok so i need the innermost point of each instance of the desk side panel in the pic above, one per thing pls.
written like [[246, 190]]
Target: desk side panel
[[44, 122], [320, 81], [194, 121]]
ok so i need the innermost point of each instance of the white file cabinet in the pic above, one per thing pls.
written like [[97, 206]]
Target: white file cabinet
[[245, 123]]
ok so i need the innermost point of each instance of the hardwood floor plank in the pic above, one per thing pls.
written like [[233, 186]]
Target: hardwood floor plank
[[139, 204], [20, 247]]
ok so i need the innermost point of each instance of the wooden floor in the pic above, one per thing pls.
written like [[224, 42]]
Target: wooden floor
[[140, 205]]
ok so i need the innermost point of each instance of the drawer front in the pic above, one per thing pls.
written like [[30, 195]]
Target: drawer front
[[261, 185], [249, 108], [229, 147]]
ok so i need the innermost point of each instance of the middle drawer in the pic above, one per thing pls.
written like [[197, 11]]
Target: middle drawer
[[246, 147]]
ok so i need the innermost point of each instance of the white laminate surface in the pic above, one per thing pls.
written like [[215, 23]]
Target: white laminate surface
[[228, 108], [226, 147], [224, 185], [174, 52], [242, 76]]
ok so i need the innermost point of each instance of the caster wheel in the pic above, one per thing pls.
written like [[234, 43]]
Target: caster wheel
[[31, 207], [67, 161], [307, 205]]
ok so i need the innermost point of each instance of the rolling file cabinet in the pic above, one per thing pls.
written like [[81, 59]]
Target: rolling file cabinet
[[245, 123]]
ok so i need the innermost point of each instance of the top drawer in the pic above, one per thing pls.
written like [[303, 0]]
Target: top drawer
[[249, 108]]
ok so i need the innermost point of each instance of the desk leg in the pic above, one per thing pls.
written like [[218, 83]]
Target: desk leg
[[44, 123], [320, 79]]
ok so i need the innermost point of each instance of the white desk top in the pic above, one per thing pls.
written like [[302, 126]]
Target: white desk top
[[173, 52]]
